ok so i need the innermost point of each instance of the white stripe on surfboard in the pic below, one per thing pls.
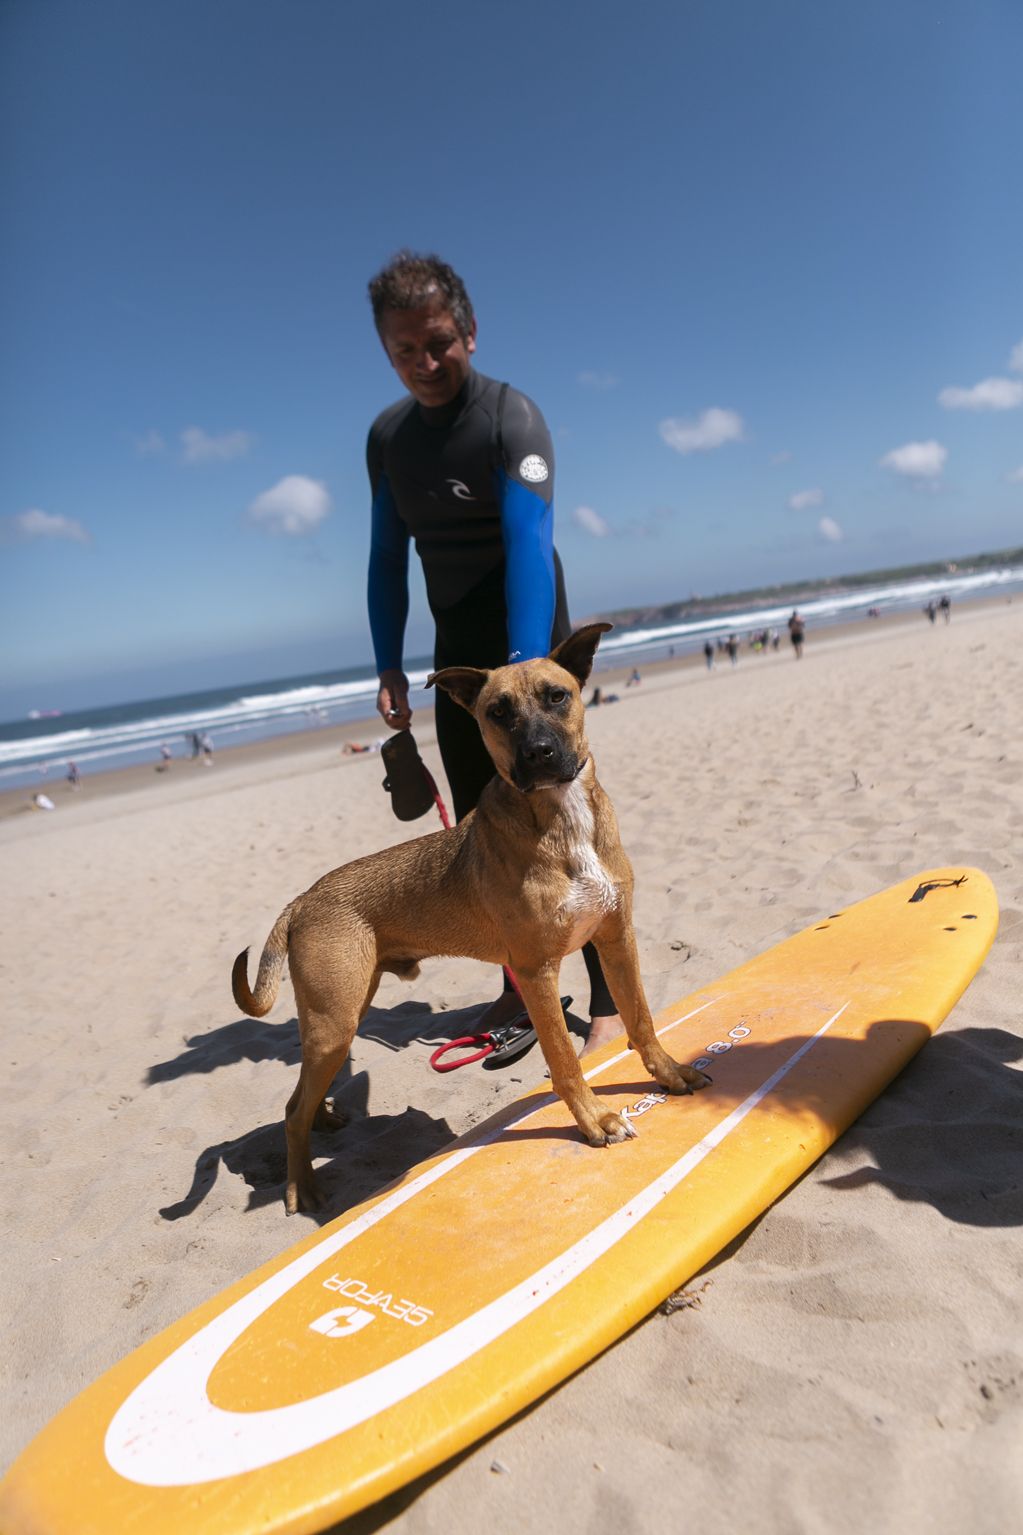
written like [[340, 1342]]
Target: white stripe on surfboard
[[167, 1433]]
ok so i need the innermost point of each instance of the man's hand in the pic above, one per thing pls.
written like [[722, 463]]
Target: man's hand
[[392, 700]]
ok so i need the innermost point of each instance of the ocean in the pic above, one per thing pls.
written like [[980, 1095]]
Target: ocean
[[34, 749]]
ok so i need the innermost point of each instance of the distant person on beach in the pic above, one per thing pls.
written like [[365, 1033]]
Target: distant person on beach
[[196, 744], [797, 633], [732, 647], [931, 611], [206, 747], [634, 679], [356, 748], [165, 758], [463, 465], [74, 777], [946, 608], [708, 655]]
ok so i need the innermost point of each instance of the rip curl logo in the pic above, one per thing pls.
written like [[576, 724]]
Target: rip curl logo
[[461, 490], [534, 469]]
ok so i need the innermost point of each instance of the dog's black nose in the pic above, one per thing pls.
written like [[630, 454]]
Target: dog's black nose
[[538, 751]]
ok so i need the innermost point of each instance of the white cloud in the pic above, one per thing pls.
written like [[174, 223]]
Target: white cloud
[[711, 429], [918, 460], [803, 499], [1016, 358], [591, 522], [150, 446], [295, 505], [989, 394], [594, 380], [828, 528], [198, 447], [1015, 476], [38, 524]]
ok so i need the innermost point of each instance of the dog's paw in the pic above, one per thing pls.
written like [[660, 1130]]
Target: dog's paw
[[693, 1079], [609, 1129], [680, 1079], [304, 1194]]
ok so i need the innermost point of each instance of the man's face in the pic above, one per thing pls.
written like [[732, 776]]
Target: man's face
[[427, 351]]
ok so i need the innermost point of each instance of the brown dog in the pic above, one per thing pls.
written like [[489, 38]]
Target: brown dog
[[531, 875]]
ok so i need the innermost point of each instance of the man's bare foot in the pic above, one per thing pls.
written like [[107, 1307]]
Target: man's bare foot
[[601, 1030]]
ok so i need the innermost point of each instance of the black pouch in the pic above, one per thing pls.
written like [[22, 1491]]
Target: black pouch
[[406, 781]]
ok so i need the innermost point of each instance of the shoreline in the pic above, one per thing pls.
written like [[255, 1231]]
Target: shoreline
[[316, 747]]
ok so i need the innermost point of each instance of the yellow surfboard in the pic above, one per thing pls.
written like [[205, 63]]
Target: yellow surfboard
[[396, 1336]]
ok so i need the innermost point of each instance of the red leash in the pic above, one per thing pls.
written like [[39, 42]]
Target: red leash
[[442, 809], [506, 1042]]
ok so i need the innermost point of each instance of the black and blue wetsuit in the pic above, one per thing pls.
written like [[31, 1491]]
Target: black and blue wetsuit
[[473, 483]]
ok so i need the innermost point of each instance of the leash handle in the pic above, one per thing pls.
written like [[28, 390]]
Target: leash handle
[[438, 1062]]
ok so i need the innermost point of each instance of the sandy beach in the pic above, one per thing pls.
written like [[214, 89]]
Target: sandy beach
[[855, 1359]]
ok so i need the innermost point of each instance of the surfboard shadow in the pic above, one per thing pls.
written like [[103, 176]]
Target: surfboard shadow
[[948, 1131]]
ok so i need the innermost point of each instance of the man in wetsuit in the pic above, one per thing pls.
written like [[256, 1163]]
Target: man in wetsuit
[[464, 465]]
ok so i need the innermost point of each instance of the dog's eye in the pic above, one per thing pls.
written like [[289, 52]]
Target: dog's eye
[[557, 696], [497, 712]]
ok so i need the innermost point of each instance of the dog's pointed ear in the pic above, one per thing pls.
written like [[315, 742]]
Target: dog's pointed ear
[[576, 653], [462, 682]]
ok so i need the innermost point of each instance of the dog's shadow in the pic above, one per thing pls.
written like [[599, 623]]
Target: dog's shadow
[[367, 1153]]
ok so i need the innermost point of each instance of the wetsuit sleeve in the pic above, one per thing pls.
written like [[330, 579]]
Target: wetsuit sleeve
[[526, 493], [387, 587]]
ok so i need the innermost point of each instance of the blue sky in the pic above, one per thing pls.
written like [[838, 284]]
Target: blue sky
[[758, 262]]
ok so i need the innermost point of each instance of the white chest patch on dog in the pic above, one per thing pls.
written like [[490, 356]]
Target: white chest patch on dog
[[592, 893]]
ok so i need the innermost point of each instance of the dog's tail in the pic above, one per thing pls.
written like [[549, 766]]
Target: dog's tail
[[258, 1002]]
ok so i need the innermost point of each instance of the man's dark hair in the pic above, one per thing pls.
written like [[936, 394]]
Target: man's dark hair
[[412, 281]]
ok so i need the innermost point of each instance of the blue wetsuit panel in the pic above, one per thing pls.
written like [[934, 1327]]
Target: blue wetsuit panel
[[527, 526]]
